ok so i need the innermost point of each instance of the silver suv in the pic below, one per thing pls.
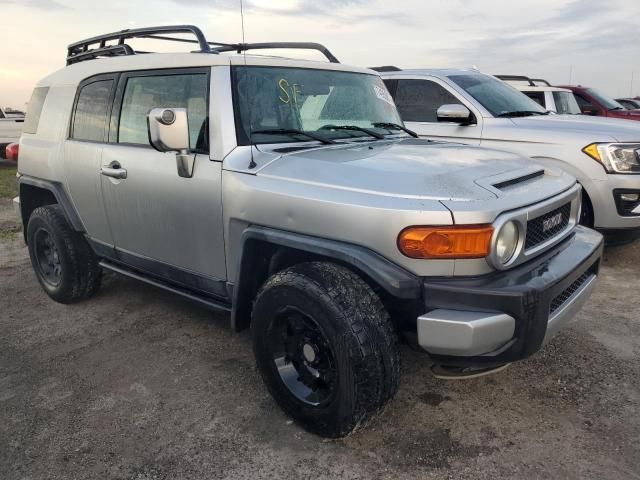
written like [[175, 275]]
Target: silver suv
[[289, 194], [478, 109]]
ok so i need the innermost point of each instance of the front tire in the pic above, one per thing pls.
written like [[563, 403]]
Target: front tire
[[63, 261], [325, 347]]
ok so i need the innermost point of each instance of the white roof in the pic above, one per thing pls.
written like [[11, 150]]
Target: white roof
[[529, 88], [438, 72], [77, 72]]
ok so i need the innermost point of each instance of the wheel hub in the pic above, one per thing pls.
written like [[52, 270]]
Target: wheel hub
[[303, 357], [47, 257]]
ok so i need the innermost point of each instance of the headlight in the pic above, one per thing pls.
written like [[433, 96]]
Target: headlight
[[616, 157], [507, 242]]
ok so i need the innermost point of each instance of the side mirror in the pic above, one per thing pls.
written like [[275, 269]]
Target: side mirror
[[589, 110], [454, 113], [169, 132]]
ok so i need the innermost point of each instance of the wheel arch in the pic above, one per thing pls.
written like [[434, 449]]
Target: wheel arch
[[35, 192], [265, 251]]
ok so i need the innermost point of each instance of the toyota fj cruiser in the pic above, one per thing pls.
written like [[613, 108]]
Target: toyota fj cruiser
[[290, 194]]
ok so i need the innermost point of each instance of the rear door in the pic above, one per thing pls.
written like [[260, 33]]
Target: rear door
[[83, 150], [164, 224], [418, 101]]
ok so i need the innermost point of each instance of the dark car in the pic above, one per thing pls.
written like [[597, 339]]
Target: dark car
[[596, 103], [629, 103]]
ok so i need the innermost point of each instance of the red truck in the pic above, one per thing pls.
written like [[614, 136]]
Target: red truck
[[593, 102]]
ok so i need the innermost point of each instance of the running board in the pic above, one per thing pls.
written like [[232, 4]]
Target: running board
[[207, 302]]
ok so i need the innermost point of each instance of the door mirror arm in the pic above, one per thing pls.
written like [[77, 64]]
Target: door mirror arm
[[169, 132]]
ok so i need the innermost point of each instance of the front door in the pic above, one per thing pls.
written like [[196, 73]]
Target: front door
[[164, 224], [418, 101]]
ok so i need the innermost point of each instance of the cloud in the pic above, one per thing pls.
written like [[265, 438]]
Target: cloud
[[338, 11], [40, 4]]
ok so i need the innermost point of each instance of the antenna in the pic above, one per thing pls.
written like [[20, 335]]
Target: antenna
[[252, 163]]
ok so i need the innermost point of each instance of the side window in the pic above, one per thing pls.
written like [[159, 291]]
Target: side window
[[34, 110], [537, 97], [419, 100], [142, 94], [92, 111], [583, 102]]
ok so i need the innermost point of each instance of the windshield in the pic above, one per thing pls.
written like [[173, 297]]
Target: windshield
[[606, 102], [272, 99], [566, 103], [496, 96]]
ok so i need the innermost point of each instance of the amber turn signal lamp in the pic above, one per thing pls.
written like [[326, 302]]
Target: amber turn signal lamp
[[464, 241]]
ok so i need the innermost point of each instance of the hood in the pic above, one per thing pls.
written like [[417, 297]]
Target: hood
[[410, 168], [587, 128]]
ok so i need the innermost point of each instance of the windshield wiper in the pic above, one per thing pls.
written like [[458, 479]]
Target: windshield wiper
[[616, 108], [395, 126], [521, 113], [293, 131], [368, 131]]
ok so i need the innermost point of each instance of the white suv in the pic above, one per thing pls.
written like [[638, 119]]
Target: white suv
[[471, 107], [554, 99]]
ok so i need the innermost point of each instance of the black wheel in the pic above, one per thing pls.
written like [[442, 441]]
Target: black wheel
[[586, 214], [325, 347], [63, 261]]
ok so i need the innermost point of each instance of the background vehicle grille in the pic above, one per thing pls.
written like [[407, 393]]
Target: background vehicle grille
[[535, 227], [569, 291]]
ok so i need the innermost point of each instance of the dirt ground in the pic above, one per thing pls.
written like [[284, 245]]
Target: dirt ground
[[139, 384]]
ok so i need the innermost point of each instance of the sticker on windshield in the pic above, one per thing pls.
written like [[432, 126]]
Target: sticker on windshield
[[382, 94]]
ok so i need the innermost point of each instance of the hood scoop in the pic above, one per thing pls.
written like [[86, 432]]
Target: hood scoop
[[516, 181]]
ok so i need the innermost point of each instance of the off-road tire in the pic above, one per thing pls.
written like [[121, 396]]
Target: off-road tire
[[358, 330], [80, 275]]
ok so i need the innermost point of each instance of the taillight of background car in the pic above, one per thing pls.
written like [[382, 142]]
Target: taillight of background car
[[11, 152]]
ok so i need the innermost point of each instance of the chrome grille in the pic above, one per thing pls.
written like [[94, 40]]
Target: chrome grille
[[537, 230], [568, 292]]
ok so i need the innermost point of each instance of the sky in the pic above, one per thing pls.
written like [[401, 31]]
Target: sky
[[594, 43]]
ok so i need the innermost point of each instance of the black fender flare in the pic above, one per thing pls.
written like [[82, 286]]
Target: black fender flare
[[395, 280], [60, 195]]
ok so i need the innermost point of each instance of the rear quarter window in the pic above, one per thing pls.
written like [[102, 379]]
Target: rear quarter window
[[92, 111], [34, 109]]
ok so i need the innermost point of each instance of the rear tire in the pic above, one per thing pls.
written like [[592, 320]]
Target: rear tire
[[325, 347], [63, 261]]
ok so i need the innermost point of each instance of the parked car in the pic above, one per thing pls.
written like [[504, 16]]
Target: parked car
[[289, 194], [593, 102], [553, 99], [629, 103], [10, 130], [478, 109]]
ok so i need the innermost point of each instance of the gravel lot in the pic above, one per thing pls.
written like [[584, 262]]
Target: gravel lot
[[139, 384]]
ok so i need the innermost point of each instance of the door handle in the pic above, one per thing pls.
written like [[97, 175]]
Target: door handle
[[114, 170]]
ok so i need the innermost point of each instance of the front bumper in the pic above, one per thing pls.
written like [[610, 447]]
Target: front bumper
[[507, 316], [606, 210]]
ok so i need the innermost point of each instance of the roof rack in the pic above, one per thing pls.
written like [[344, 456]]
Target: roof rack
[[541, 80], [82, 50], [516, 78], [243, 47], [386, 68]]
